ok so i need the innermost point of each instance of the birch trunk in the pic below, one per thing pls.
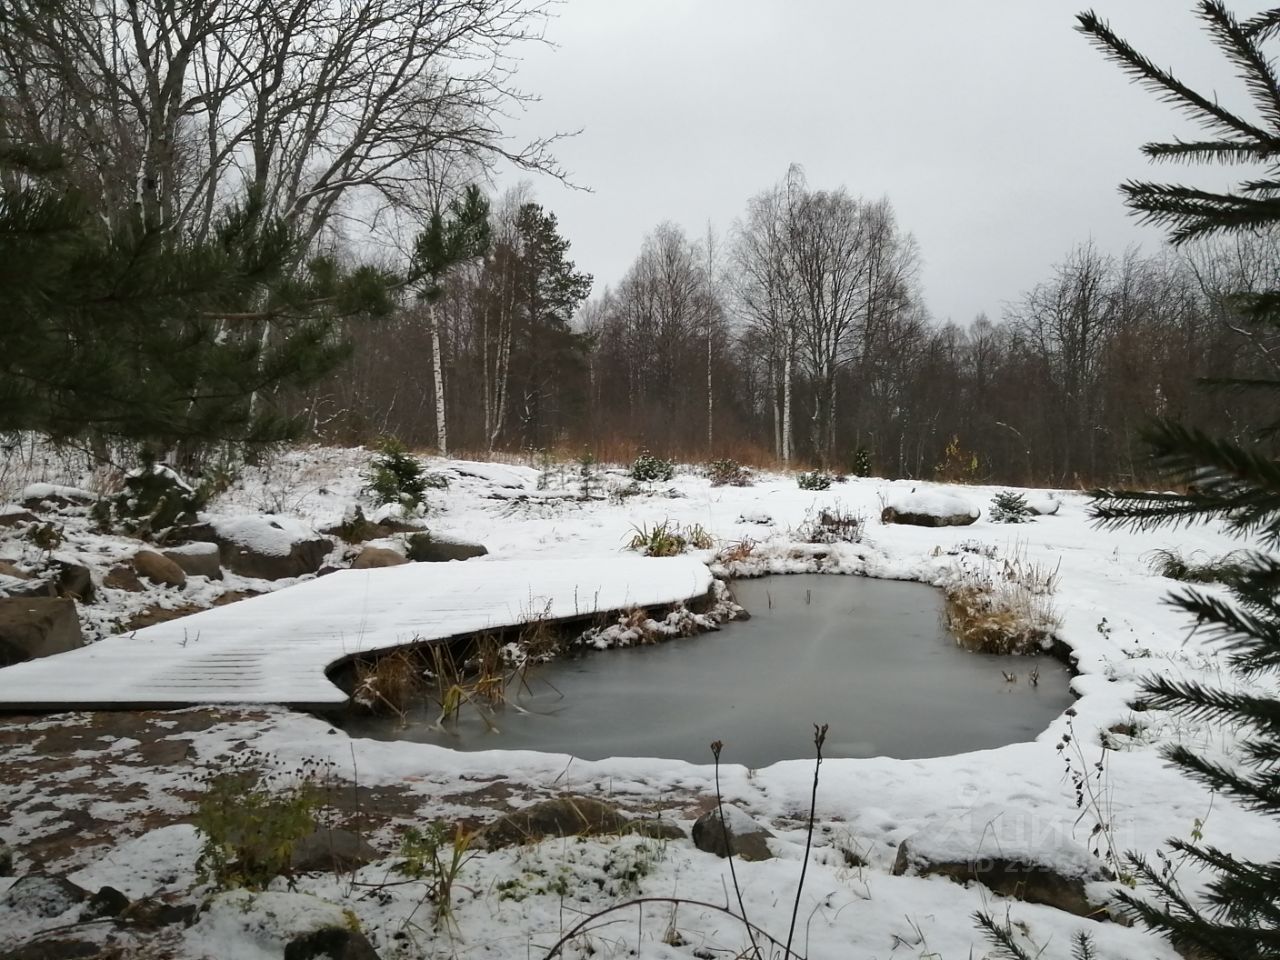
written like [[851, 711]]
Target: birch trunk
[[437, 363]]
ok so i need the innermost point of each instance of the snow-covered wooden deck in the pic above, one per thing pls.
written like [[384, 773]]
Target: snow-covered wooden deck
[[276, 648]]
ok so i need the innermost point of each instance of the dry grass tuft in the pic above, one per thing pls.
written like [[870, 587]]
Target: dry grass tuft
[[1003, 607], [391, 683]]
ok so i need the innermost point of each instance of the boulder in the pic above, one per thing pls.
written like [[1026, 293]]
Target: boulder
[[1042, 505], [330, 943], [929, 508], [357, 528], [37, 627], [331, 851], [158, 569], [45, 949], [371, 557], [424, 548], [263, 547], [107, 902], [1010, 854], [11, 518], [42, 496], [43, 895], [74, 581], [570, 817], [747, 839], [197, 559], [123, 577]]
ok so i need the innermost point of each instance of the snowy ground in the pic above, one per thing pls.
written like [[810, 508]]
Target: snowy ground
[[516, 902]]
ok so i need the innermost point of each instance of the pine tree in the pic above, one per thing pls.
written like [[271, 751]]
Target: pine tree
[[133, 333], [1237, 483], [554, 354]]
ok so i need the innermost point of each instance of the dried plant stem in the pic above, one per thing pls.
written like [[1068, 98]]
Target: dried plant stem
[[716, 747], [819, 738]]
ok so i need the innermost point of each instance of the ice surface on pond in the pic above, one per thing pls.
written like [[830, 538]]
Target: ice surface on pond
[[869, 657]]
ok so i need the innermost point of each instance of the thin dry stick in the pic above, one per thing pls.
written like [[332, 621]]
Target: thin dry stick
[[583, 924], [716, 747], [819, 738]]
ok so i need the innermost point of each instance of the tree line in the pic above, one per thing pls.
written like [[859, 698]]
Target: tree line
[[803, 336]]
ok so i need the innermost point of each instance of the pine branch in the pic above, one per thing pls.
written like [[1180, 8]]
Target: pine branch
[[1242, 50], [1263, 26], [1167, 87], [1210, 151]]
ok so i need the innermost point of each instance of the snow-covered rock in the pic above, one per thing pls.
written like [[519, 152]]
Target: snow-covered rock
[[929, 508]]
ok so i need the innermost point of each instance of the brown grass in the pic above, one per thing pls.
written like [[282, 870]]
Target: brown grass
[[1003, 607], [391, 683]]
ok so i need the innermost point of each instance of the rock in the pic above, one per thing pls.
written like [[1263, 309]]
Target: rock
[[16, 582], [747, 838], [152, 914], [570, 817], [1043, 506], [424, 548], [263, 547], [330, 943], [358, 528], [107, 902], [14, 517], [26, 589], [6, 860], [58, 950], [372, 557], [158, 569], [331, 851], [37, 627], [9, 568], [929, 508], [198, 559], [122, 577], [1008, 853], [43, 895], [41, 496], [74, 581]]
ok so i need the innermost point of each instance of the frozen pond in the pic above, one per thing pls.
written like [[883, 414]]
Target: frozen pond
[[871, 658]]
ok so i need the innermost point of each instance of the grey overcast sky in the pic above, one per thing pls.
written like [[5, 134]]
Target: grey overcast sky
[[998, 132]]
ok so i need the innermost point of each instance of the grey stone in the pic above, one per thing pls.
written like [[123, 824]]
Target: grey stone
[[197, 559], [331, 850], [123, 577], [570, 817], [330, 943], [107, 902], [43, 895], [1019, 877], [890, 515], [372, 557], [746, 838], [75, 581], [57, 950], [37, 627], [158, 569], [424, 548], [304, 557]]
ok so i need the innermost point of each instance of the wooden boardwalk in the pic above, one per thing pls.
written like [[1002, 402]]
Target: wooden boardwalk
[[276, 648]]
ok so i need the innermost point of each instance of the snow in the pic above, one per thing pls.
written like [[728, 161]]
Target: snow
[[46, 491], [1000, 831], [1016, 798], [194, 549], [260, 925], [271, 535], [931, 501], [276, 648]]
